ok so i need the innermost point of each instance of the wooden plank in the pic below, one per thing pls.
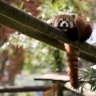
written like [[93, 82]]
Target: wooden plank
[[53, 77]]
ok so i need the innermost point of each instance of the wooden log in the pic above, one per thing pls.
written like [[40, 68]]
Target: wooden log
[[24, 89], [41, 37]]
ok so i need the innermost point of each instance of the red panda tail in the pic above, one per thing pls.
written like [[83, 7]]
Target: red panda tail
[[86, 33], [72, 60]]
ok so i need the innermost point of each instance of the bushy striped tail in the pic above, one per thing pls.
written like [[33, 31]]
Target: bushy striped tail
[[72, 54]]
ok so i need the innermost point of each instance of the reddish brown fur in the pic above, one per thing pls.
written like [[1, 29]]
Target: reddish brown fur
[[84, 29], [72, 53]]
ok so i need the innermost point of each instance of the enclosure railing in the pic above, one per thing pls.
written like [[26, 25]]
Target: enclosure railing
[[23, 89], [45, 89]]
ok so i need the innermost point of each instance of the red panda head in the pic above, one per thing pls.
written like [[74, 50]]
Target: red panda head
[[64, 22]]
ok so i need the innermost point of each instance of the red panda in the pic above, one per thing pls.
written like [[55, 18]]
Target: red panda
[[76, 30]]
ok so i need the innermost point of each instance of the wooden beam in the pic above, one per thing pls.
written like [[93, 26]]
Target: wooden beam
[[41, 37], [24, 89], [14, 89], [30, 32]]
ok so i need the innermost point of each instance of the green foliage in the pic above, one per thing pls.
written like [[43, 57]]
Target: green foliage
[[39, 57], [89, 76], [58, 7], [63, 6]]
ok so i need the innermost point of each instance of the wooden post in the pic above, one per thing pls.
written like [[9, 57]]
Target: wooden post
[[60, 90]]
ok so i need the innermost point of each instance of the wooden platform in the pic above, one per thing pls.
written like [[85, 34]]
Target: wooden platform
[[53, 77]]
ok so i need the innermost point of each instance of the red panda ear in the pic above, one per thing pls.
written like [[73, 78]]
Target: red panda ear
[[74, 16]]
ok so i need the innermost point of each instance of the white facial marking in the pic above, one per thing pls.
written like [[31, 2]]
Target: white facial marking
[[56, 23], [71, 24], [64, 22]]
